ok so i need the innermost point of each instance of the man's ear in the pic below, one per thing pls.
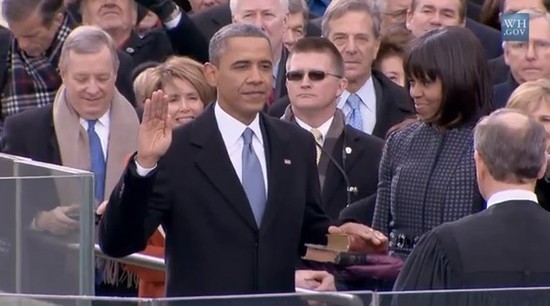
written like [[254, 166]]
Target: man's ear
[[544, 169], [480, 165], [211, 74]]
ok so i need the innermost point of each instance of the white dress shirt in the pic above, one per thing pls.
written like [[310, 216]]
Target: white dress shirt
[[512, 195], [323, 128], [102, 130], [231, 130], [367, 106]]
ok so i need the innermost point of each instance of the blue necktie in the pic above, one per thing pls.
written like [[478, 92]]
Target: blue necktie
[[98, 161], [253, 179], [353, 117]]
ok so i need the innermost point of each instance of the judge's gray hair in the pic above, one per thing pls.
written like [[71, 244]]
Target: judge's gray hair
[[513, 148]]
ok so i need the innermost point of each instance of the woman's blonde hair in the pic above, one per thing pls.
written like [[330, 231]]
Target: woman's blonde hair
[[139, 86], [530, 95], [178, 67]]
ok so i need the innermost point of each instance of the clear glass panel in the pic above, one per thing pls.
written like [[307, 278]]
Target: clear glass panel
[[512, 296], [47, 300], [298, 299], [46, 229]]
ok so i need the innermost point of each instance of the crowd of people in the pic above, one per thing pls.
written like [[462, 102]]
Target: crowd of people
[[223, 135]]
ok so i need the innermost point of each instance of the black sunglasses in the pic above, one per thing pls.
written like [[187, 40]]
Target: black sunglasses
[[313, 75]]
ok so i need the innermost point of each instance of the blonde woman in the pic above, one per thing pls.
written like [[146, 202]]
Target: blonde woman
[[534, 99], [183, 81]]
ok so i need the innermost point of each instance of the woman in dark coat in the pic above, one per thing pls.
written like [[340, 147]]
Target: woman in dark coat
[[427, 172]]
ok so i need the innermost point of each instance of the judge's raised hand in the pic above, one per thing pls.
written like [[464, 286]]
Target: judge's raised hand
[[155, 131], [362, 238]]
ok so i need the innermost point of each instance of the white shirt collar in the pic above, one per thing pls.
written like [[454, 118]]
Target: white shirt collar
[[232, 129], [512, 195], [104, 120], [364, 93], [323, 128]]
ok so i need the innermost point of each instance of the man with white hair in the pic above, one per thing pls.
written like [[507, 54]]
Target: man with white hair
[[528, 60], [89, 126]]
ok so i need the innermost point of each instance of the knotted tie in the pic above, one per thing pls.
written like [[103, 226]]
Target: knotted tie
[[97, 160], [253, 179], [353, 117], [319, 139]]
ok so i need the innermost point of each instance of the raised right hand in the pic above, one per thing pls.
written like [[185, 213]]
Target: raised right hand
[[155, 131]]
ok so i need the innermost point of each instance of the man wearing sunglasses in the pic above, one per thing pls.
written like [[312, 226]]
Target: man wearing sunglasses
[[371, 103], [347, 158]]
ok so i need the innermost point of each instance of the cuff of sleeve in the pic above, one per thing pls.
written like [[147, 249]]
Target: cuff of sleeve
[[174, 22], [141, 171]]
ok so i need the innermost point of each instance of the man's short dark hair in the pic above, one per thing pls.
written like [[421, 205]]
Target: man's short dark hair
[[461, 8], [218, 43], [454, 56], [19, 10], [513, 150], [319, 45]]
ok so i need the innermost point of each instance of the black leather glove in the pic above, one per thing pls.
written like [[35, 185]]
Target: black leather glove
[[164, 9]]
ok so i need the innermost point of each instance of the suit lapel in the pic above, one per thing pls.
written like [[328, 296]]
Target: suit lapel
[[53, 149], [214, 163], [381, 109], [275, 142], [280, 86]]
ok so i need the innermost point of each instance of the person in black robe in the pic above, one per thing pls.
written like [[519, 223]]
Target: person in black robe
[[504, 246]]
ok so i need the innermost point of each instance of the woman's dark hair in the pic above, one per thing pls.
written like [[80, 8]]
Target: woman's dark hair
[[455, 57]]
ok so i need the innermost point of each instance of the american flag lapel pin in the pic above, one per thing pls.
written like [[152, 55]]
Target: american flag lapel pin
[[287, 161]]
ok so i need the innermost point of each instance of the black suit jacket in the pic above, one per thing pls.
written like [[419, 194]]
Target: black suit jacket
[[187, 40], [499, 70], [504, 246], [503, 91], [393, 104], [31, 134], [360, 165], [154, 46], [213, 19], [490, 38], [213, 245]]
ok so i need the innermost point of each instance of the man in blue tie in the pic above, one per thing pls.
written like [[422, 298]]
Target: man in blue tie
[[237, 192], [90, 126], [371, 102]]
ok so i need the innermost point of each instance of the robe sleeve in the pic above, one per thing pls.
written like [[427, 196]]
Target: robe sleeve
[[428, 266]]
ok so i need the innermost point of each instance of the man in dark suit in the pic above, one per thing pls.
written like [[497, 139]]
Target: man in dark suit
[[347, 158], [371, 102], [213, 19], [528, 61], [505, 245], [89, 126], [253, 11], [425, 15], [28, 65], [244, 199], [499, 68]]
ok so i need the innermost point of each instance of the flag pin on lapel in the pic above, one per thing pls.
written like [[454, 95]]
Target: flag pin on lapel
[[287, 161]]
